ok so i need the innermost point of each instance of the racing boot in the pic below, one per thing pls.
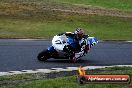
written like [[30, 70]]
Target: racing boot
[[73, 58]]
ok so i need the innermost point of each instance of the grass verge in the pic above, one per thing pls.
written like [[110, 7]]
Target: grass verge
[[102, 27], [37, 19], [71, 81], [111, 4]]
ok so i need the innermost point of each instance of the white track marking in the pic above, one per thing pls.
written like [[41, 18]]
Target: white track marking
[[32, 39], [129, 41], [57, 69]]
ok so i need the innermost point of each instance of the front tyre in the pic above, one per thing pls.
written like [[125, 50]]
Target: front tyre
[[43, 56]]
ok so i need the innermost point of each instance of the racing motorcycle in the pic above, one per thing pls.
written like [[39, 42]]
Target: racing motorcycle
[[65, 46]]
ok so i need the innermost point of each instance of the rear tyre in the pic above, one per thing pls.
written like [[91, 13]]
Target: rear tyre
[[43, 56]]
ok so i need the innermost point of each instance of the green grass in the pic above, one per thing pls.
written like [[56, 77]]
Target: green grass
[[16, 77], [29, 19], [102, 27], [71, 81], [66, 82], [112, 4]]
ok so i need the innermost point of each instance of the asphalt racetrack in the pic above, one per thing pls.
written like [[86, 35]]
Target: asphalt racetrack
[[21, 55]]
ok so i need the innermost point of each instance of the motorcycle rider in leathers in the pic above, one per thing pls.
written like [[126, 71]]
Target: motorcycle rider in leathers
[[79, 34]]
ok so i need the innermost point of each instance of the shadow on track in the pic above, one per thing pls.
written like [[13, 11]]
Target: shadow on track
[[66, 61]]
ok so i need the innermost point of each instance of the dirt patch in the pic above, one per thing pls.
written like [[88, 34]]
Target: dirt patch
[[21, 8], [97, 11]]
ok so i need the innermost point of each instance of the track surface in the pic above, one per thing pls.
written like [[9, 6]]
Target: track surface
[[21, 55]]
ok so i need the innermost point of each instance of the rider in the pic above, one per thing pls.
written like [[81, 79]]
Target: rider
[[79, 34]]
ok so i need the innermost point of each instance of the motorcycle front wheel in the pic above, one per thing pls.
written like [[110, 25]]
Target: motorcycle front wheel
[[43, 56]]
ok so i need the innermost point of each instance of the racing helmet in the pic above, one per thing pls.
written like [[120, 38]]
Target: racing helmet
[[79, 32]]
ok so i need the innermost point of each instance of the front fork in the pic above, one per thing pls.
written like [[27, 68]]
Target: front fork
[[74, 56], [52, 51]]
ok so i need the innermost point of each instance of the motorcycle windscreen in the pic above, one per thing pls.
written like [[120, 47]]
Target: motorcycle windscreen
[[92, 41]]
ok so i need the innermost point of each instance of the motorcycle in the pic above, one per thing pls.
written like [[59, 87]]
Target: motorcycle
[[65, 46]]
